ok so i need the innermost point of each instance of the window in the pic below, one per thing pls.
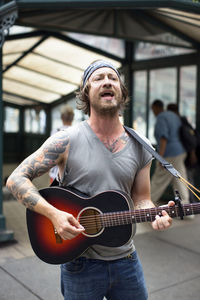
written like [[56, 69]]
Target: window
[[35, 121], [148, 51], [187, 106], [139, 101], [162, 86], [11, 120], [108, 44]]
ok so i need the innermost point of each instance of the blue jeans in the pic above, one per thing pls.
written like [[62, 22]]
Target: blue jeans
[[92, 279]]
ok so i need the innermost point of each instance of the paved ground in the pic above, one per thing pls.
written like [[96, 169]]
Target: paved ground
[[171, 261]]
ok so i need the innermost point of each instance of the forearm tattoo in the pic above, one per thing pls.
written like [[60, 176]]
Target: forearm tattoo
[[34, 166]]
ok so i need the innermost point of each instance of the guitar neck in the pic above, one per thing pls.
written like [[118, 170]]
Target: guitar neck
[[147, 215]]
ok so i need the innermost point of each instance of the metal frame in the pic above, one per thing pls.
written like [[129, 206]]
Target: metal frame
[[51, 4], [8, 16]]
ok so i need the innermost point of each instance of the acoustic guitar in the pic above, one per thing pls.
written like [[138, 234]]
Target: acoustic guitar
[[106, 217]]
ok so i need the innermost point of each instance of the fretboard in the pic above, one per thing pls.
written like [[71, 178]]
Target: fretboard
[[146, 215]]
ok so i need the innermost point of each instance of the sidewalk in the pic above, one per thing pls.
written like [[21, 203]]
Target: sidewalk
[[171, 261]]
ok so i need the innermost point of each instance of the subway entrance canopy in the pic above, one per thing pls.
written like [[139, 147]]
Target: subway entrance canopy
[[46, 54], [170, 22]]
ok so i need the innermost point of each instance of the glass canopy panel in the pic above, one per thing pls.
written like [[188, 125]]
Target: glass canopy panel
[[193, 19], [181, 22], [16, 99], [20, 45], [51, 68], [10, 58], [39, 80], [29, 92], [179, 13], [108, 44], [70, 54]]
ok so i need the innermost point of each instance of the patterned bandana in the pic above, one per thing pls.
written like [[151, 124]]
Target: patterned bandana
[[97, 65]]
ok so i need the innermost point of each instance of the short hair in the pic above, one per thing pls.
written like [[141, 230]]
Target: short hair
[[67, 113], [83, 102], [158, 103], [173, 107]]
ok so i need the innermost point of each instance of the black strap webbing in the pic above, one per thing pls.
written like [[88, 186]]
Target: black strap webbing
[[163, 162]]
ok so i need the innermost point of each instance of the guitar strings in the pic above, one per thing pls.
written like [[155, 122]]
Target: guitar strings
[[120, 218], [112, 219], [141, 212]]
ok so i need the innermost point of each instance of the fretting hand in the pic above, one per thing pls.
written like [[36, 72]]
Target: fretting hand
[[163, 222]]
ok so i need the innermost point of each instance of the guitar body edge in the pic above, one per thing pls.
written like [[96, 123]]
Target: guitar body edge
[[42, 235]]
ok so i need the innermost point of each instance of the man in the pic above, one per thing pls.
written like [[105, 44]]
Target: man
[[67, 117], [170, 147], [94, 156]]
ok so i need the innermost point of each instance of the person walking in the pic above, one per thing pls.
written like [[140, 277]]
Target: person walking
[[67, 117], [170, 147]]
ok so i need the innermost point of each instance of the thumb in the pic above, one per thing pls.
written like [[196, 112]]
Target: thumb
[[76, 224]]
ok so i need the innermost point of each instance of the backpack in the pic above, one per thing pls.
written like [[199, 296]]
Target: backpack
[[188, 135]]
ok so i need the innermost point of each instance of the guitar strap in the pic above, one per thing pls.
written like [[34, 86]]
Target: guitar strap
[[169, 167], [155, 154]]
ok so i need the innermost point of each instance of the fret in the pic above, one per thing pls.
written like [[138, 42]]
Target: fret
[[145, 215], [192, 209], [103, 220], [127, 218], [149, 215], [113, 220], [159, 211], [172, 212], [140, 216], [177, 211], [186, 209], [133, 219]]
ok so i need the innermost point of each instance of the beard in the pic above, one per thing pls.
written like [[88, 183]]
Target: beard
[[107, 107]]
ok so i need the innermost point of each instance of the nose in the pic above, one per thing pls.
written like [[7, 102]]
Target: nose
[[106, 82]]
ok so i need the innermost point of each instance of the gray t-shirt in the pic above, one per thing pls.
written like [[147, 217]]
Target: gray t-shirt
[[92, 168]]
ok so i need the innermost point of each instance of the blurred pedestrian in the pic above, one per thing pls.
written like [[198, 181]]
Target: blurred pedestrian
[[67, 117], [191, 158], [170, 147]]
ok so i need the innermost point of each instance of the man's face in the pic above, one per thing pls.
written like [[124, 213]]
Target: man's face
[[105, 91]]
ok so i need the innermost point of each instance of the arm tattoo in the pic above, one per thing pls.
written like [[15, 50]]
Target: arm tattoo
[[34, 166]]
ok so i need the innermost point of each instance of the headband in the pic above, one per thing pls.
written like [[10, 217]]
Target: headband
[[97, 65]]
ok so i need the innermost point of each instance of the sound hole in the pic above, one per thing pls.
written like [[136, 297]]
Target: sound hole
[[90, 219]]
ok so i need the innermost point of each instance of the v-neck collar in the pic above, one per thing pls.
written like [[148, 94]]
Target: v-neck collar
[[105, 149]]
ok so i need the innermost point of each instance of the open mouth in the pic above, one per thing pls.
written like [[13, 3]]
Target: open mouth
[[107, 95]]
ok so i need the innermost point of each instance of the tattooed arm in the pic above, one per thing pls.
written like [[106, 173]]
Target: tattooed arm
[[142, 199], [53, 152]]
